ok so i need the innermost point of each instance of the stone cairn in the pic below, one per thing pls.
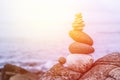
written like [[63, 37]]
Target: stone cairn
[[79, 58]]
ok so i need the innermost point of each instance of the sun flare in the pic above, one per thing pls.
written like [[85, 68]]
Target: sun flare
[[36, 18]]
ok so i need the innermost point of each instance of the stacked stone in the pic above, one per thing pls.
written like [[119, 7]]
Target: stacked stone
[[80, 58]]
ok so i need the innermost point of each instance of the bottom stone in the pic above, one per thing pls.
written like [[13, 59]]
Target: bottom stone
[[79, 62]]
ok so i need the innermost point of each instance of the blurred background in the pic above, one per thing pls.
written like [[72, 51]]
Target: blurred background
[[35, 32]]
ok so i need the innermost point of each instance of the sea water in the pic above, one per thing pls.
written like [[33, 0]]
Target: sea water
[[32, 54], [42, 54]]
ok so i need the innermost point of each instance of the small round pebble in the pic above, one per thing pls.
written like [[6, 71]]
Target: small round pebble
[[62, 60]]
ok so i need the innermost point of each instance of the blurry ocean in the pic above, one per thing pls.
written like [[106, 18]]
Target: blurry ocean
[[32, 54], [42, 54]]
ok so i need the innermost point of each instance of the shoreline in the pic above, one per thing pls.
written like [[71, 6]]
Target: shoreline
[[109, 63]]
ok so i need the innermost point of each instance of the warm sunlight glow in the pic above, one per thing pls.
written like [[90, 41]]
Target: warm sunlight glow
[[36, 18], [40, 18]]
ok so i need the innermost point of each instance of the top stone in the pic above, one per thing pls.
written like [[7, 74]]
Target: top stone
[[78, 24]]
